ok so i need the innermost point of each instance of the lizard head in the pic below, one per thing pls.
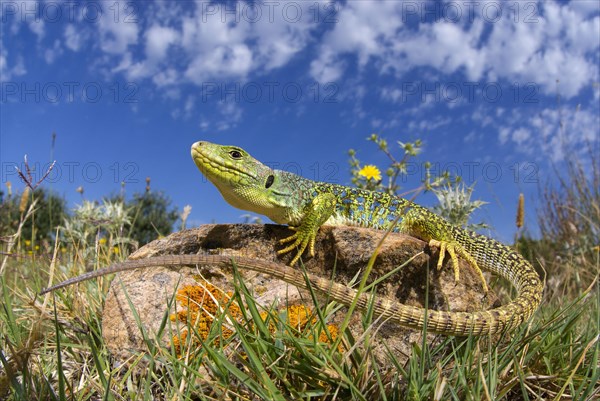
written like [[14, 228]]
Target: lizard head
[[243, 181]]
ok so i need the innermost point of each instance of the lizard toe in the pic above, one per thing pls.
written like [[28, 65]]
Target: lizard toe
[[289, 239]]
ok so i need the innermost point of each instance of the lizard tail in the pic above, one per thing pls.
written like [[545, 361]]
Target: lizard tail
[[448, 323]]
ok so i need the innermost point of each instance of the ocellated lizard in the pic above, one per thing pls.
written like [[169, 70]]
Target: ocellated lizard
[[306, 205]]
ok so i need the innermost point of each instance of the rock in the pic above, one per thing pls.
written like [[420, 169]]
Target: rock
[[340, 252]]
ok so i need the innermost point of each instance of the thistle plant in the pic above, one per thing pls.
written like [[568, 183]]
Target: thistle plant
[[369, 176], [456, 206], [453, 196], [92, 222]]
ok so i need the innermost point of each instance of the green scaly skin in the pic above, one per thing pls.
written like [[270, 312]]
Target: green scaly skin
[[305, 205]]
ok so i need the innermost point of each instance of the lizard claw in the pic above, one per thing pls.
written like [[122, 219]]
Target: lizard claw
[[454, 250], [301, 240]]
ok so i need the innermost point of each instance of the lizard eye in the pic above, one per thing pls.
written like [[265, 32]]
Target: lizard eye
[[235, 154], [270, 180]]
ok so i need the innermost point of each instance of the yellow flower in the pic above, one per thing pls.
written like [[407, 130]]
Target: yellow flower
[[370, 172], [27, 242], [116, 250], [102, 241], [37, 247]]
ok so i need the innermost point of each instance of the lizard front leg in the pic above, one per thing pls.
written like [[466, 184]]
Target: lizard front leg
[[315, 215]]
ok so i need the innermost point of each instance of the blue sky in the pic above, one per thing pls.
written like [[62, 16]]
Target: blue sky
[[129, 86]]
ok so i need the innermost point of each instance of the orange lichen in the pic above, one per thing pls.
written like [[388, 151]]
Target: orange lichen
[[298, 317], [200, 305]]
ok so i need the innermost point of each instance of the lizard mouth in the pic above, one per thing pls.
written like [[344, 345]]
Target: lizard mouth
[[209, 159]]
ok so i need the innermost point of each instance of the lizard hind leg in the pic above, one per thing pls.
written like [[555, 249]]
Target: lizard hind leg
[[434, 229], [455, 250]]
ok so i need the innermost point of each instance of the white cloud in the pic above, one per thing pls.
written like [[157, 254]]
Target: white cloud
[[50, 54], [222, 62], [208, 46], [139, 70], [125, 64], [166, 77], [442, 45], [424, 126], [327, 68], [4, 74], [363, 28], [391, 94], [116, 35], [503, 134], [559, 42], [190, 103], [221, 49], [6, 71], [551, 132], [73, 37], [174, 44], [553, 48], [215, 49], [472, 136], [37, 26], [231, 115], [158, 40], [231, 111], [521, 135], [278, 41], [483, 118], [188, 109], [586, 8]]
